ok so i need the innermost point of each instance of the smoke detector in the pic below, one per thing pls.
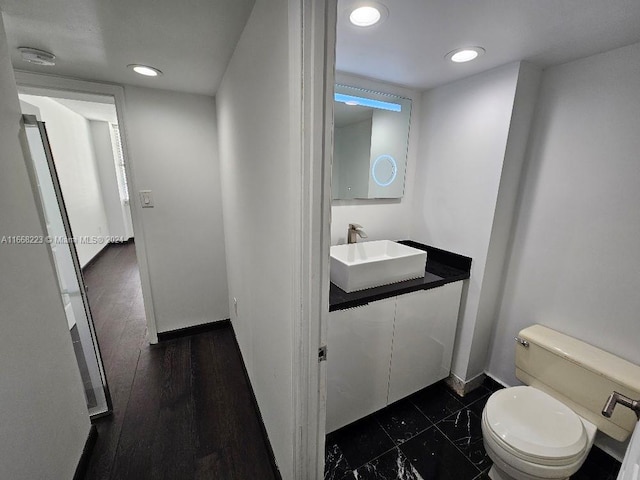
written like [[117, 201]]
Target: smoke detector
[[39, 57]]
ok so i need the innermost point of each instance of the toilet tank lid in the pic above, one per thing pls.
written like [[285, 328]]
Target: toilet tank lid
[[592, 358]]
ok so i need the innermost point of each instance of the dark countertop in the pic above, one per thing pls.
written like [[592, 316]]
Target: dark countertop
[[442, 267]]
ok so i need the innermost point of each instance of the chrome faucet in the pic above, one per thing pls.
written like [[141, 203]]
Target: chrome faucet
[[354, 231], [616, 398]]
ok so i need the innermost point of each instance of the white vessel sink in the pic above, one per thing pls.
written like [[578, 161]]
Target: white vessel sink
[[358, 266]]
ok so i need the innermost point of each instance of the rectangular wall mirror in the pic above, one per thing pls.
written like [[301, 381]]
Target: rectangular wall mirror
[[370, 142]]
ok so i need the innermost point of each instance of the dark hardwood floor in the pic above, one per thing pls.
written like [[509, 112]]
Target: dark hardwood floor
[[183, 409]]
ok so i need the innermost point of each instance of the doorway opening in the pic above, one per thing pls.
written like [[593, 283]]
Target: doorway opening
[[79, 171]]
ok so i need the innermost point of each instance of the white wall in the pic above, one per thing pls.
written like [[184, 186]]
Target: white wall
[[574, 260], [42, 408], [173, 144], [73, 153], [574, 257], [118, 215], [380, 219], [28, 109], [522, 116], [464, 165], [255, 118]]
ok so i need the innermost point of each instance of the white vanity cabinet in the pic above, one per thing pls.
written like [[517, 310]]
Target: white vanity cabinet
[[358, 355], [388, 349], [424, 332]]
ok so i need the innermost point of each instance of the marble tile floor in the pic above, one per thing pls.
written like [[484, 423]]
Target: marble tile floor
[[431, 435]]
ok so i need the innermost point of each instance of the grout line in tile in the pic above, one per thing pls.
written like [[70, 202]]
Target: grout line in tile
[[479, 476], [454, 413], [456, 447], [478, 400], [385, 431], [423, 414], [395, 447], [413, 436]]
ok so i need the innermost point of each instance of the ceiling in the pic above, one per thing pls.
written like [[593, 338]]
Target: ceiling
[[408, 48], [91, 110], [190, 41]]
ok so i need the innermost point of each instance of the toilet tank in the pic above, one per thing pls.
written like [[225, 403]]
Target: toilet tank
[[579, 375]]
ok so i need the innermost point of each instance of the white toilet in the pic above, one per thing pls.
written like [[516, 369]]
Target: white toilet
[[546, 430]]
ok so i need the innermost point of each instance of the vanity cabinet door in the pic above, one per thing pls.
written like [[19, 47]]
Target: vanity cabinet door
[[358, 356], [424, 332]]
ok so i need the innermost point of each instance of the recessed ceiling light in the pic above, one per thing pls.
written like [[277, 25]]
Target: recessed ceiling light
[[465, 54], [145, 70], [39, 57], [365, 16], [351, 102]]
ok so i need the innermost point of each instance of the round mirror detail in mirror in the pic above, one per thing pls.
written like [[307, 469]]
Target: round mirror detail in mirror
[[384, 170]]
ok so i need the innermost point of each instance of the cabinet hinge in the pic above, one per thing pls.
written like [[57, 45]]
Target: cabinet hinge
[[322, 353]]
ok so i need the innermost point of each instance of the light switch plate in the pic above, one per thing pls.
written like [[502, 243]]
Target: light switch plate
[[146, 198]]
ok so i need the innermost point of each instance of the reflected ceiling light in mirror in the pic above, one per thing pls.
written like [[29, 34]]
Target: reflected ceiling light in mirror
[[367, 102], [466, 54], [145, 70]]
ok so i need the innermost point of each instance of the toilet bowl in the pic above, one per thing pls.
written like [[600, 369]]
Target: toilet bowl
[[545, 431], [530, 435]]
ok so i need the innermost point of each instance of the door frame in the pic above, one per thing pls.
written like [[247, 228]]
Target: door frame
[[63, 84], [312, 27]]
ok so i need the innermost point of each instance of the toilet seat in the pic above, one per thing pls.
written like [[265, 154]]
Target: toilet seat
[[535, 427]]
